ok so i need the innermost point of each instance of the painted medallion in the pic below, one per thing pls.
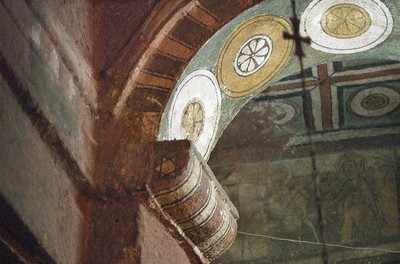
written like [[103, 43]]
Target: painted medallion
[[346, 26], [345, 21], [195, 110], [375, 102], [253, 54], [193, 120]]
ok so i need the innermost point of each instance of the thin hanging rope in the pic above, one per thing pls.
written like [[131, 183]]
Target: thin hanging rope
[[318, 243]]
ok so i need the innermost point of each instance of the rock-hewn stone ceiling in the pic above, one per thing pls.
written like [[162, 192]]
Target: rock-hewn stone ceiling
[[249, 54], [349, 109]]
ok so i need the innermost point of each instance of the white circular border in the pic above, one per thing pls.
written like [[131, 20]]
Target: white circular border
[[267, 56], [290, 112], [380, 29], [356, 103], [200, 86]]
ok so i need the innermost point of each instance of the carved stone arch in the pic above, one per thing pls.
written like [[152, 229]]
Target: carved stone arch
[[148, 68], [135, 92]]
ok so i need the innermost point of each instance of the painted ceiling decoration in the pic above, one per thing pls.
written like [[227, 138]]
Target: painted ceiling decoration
[[346, 26], [349, 102], [253, 54], [195, 110], [243, 59], [375, 102]]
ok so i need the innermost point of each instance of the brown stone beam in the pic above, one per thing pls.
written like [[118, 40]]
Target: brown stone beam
[[133, 229]]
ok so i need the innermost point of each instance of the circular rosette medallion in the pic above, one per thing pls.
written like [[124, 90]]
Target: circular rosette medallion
[[375, 102], [195, 111], [193, 120], [346, 26], [253, 54]]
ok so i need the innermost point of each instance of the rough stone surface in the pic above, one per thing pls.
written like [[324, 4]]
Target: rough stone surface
[[151, 232], [38, 188], [38, 66]]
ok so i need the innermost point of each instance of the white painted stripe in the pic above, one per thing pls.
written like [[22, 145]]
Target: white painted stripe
[[283, 92], [335, 107], [365, 81], [316, 108], [368, 70], [292, 81]]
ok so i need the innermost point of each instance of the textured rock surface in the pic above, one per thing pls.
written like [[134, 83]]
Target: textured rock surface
[[38, 187]]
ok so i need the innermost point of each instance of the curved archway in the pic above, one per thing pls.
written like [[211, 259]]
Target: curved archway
[[176, 32], [209, 58]]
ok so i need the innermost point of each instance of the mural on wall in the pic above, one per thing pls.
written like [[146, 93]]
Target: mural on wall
[[195, 110], [346, 26], [360, 193], [275, 194], [359, 202], [253, 54]]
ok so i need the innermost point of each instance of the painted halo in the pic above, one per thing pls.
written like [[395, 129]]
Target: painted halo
[[346, 26], [195, 111], [375, 102], [253, 54]]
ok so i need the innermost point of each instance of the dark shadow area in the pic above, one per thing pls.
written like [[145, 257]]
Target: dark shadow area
[[17, 243]]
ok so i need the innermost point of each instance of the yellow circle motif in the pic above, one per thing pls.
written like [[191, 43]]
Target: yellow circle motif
[[192, 120], [253, 54], [346, 21]]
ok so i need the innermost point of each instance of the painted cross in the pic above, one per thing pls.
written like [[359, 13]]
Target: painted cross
[[299, 40], [296, 36]]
